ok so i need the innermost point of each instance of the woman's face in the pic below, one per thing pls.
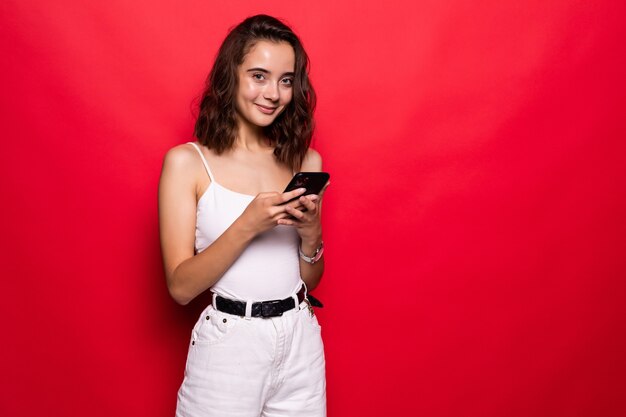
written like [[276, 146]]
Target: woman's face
[[265, 82]]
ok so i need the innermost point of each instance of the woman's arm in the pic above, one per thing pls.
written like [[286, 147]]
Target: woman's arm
[[188, 275], [309, 224]]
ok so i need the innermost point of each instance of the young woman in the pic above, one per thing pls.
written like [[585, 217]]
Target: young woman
[[227, 226]]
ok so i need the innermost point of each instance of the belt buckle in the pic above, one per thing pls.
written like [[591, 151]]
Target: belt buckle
[[268, 308]]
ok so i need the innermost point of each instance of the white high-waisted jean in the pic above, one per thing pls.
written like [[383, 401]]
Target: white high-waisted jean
[[269, 367]]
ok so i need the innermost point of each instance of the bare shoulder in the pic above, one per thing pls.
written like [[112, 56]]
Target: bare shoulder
[[181, 157], [312, 161], [182, 169]]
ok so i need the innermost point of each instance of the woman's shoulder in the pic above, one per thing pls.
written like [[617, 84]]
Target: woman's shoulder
[[182, 158], [312, 161], [182, 154]]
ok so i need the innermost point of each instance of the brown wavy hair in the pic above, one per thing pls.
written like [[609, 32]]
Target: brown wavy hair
[[290, 133]]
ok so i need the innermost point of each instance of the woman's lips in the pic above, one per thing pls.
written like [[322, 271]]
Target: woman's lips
[[266, 110]]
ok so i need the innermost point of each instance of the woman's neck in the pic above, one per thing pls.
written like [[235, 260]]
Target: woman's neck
[[251, 138]]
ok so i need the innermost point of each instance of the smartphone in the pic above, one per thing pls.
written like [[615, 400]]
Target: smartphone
[[312, 181]]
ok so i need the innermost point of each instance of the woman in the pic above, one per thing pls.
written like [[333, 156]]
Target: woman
[[225, 226]]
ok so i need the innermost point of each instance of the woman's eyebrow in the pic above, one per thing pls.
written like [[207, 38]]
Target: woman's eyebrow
[[257, 69], [263, 70]]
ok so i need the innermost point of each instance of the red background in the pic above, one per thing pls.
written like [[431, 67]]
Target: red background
[[475, 224]]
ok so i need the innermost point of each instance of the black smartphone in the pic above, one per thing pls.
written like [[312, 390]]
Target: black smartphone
[[312, 181]]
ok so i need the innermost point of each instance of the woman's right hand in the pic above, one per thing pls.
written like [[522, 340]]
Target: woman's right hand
[[266, 209]]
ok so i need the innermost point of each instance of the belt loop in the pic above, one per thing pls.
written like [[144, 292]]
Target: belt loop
[[295, 301], [248, 310], [214, 302]]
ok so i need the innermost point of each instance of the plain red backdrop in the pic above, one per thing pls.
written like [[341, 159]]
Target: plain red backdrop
[[475, 224]]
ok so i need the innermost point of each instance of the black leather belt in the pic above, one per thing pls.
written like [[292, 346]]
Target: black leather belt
[[272, 308]]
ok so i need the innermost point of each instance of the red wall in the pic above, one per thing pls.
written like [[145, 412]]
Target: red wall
[[475, 224]]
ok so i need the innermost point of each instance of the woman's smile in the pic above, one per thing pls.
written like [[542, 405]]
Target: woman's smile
[[266, 109]]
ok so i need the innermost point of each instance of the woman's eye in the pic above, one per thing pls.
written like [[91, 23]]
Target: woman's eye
[[258, 76], [287, 81]]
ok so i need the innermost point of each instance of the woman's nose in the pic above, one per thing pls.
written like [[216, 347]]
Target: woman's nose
[[271, 92]]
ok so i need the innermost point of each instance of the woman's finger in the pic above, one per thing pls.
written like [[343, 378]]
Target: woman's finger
[[295, 204], [289, 195], [294, 212], [309, 203], [286, 222]]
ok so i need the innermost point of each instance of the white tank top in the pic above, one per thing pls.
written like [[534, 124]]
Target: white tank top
[[269, 267]]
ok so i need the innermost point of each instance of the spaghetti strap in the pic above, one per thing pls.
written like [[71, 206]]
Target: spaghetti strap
[[206, 165]]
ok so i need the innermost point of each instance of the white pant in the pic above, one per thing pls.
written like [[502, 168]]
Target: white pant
[[270, 367]]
